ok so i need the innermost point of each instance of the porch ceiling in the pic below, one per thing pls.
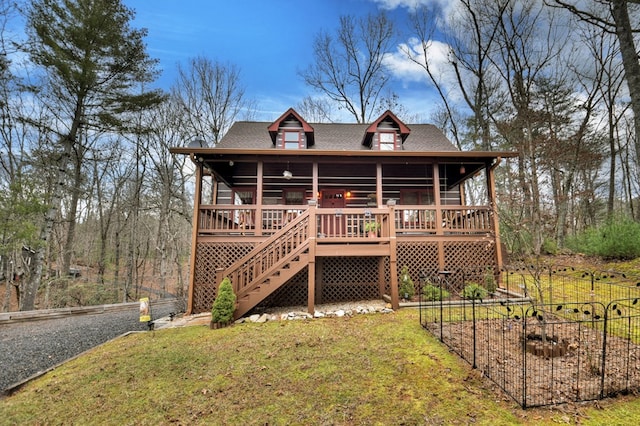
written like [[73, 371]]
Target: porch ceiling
[[236, 167]]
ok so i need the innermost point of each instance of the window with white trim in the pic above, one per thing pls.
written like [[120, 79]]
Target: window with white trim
[[387, 141], [291, 139]]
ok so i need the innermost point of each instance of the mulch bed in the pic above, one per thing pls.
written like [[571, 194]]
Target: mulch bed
[[534, 380]]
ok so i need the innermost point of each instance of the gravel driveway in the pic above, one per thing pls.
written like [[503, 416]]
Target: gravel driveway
[[29, 347]]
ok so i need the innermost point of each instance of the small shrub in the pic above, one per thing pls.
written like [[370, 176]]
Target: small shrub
[[432, 293], [549, 247], [617, 239], [225, 303], [490, 282], [407, 289], [474, 291]]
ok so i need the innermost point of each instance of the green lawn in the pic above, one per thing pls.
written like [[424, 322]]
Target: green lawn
[[365, 370]]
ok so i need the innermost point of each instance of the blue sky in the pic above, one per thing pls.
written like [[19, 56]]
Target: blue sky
[[268, 40]]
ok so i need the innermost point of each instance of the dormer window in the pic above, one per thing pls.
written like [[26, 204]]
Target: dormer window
[[291, 139], [290, 131], [387, 133], [387, 141]]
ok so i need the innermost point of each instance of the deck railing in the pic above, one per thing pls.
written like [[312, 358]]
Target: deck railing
[[252, 268], [356, 223]]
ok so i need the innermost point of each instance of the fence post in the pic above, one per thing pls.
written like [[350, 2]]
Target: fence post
[[506, 274], [473, 314], [441, 311], [604, 348], [524, 357], [550, 280], [442, 274]]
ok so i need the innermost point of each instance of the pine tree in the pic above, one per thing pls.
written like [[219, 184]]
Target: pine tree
[[94, 66]]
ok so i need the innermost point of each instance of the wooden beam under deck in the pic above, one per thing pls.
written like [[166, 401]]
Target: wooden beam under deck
[[352, 250]]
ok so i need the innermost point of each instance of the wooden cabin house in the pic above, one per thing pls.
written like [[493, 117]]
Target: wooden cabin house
[[298, 213]]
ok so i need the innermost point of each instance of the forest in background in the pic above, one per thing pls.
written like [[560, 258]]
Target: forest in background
[[88, 186]]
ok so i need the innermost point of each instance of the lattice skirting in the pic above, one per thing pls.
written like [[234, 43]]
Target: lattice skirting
[[468, 261], [209, 258], [348, 278], [344, 278], [293, 293]]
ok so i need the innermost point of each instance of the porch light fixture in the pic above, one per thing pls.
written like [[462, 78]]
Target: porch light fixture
[[462, 169], [287, 173]]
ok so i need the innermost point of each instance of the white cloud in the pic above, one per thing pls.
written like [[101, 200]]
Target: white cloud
[[412, 4], [407, 62]]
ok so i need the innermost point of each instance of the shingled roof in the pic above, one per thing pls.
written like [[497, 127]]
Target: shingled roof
[[334, 137]]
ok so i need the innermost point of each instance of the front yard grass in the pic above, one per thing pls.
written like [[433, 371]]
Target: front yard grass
[[365, 370]]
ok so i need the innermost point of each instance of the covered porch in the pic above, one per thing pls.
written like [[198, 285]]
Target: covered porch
[[386, 209]]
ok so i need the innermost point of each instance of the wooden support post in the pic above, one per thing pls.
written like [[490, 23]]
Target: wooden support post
[[379, 183], [311, 289], [219, 277], [194, 235], [314, 184], [393, 271], [439, 215], [257, 220], [393, 259], [491, 188], [311, 273]]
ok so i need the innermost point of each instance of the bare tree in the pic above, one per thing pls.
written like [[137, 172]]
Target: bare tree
[[349, 68], [472, 39], [315, 110], [614, 18], [92, 61], [168, 194], [391, 101], [211, 96], [571, 144], [528, 45], [21, 201], [605, 53], [111, 171]]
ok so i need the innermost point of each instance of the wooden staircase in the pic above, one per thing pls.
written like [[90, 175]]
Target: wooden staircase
[[270, 264]]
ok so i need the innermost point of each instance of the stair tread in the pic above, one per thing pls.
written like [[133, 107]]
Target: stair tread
[[251, 297]]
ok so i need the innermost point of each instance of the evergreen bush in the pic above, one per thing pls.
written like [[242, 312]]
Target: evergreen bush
[[490, 281], [407, 289], [617, 239], [225, 303]]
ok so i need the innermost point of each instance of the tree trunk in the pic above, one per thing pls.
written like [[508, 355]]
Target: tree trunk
[[630, 63], [7, 295], [612, 163], [73, 211], [29, 289], [116, 261]]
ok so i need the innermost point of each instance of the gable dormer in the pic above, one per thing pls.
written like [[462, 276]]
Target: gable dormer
[[387, 133], [291, 131]]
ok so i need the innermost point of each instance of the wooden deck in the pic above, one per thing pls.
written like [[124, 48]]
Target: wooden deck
[[347, 225], [261, 249]]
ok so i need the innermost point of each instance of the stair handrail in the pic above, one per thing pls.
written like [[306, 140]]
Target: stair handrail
[[258, 280], [295, 232]]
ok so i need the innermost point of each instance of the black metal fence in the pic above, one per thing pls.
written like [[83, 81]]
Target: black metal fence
[[545, 335]]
